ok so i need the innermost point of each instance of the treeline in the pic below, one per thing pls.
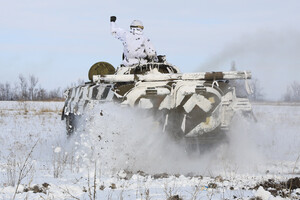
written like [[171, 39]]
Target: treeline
[[292, 93], [26, 89]]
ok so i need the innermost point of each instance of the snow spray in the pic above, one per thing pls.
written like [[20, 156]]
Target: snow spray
[[122, 138]]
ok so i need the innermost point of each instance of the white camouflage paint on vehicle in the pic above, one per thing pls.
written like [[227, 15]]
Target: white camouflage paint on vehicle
[[186, 104]]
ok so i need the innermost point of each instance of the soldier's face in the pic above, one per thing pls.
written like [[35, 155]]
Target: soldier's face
[[136, 31]]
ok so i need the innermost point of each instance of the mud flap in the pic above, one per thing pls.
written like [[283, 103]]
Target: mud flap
[[63, 113]]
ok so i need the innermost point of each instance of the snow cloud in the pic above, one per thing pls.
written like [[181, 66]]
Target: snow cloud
[[272, 56]]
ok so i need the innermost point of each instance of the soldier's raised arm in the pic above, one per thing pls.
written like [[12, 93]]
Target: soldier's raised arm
[[117, 32]]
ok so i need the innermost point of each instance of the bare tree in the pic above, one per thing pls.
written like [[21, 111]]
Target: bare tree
[[55, 94], [2, 92], [296, 91], [41, 94], [23, 86], [5, 91], [257, 94], [233, 66], [8, 93], [292, 92], [15, 92], [33, 81]]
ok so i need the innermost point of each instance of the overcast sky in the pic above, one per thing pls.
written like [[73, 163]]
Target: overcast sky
[[59, 40]]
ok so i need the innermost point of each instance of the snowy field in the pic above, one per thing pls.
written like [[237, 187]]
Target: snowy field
[[122, 154]]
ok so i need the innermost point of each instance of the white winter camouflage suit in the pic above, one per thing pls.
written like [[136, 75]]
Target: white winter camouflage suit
[[136, 46]]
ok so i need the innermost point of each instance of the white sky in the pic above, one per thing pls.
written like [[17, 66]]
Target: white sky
[[58, 41]]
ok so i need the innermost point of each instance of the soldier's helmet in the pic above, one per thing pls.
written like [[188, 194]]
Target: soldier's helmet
[[137, 24], [136, 27]]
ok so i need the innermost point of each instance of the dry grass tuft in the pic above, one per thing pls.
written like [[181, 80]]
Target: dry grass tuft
[[46, 110], [2, 114]]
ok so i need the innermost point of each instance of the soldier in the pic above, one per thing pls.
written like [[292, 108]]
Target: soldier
[[137, 48]]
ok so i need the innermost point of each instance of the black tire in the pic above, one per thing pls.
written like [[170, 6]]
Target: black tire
[[70, 124], [206, 142]]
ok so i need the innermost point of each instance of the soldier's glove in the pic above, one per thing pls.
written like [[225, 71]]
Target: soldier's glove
[[113, 18]]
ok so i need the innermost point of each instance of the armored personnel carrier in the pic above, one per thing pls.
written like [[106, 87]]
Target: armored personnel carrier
[[192, 106]]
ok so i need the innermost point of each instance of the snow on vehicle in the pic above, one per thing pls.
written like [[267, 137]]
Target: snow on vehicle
[[187, 105]]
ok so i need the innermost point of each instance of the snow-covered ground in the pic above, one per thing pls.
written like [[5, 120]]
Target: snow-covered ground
[[122, 154]]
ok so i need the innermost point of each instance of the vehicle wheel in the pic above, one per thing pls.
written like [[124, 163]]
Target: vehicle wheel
[[70, 124]]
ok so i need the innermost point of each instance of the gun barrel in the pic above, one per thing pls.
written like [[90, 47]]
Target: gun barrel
[[231, 75]]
